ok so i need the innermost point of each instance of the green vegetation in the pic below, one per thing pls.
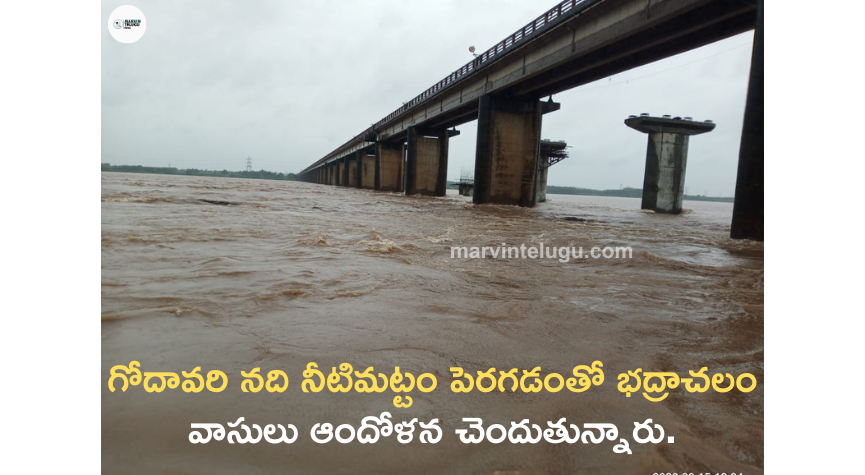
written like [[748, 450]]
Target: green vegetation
[[259, 175], [625, 193], [570, 190]]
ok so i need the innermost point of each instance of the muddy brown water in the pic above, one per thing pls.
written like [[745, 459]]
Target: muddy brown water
[[279, 274]]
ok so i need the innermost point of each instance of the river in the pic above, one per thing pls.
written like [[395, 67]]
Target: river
[[288, 273]]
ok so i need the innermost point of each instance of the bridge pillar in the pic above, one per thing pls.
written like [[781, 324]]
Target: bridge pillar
[[403, 152], [388, 166], [748, 203], [508, 146], [350, 171], [427, 161], [666, 159], [367, 167], [541, 185], [340, 172], [347, 179], [358, 171]]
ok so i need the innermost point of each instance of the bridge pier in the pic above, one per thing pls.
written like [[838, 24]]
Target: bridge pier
[[367, 170], [748, 203], [541, 185], [508, 147], [357, 164], [427, 162], [349, 163], [341, 171], [666, 159], [388, 166]]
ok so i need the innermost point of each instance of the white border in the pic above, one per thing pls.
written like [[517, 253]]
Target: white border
[[51, 236], [51, 136]]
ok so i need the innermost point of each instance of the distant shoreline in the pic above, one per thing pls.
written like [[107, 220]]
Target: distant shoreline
[[626, 193], [256, 175], [621, 193], [266, 175]]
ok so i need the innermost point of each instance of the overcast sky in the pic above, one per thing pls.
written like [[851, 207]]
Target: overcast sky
[[285, 83]]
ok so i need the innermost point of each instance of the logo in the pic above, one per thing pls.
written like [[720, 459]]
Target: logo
[[127, 24]]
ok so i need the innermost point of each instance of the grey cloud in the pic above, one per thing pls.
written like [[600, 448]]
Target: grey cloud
[[211, 83]]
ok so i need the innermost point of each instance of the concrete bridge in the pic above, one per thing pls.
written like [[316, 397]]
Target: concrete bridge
[[504, 89]]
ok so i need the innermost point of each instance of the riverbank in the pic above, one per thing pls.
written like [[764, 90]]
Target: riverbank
[[255, 175]]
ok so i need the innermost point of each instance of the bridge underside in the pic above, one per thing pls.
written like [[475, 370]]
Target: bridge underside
[[598, 38]]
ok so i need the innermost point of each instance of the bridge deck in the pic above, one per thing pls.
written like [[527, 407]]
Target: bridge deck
[[574, 43]]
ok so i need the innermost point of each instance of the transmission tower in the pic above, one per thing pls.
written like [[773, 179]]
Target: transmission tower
[[248, 164]]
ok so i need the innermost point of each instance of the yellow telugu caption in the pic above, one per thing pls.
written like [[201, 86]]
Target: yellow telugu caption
[[347, 379]]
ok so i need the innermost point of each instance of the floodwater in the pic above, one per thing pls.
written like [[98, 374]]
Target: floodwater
[[290, 273]]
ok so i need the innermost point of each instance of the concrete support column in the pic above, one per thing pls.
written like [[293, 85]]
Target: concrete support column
[[508, 146], [427, 161], [748, 203], [664, 179], [541, 184], [403, 153], [345, 171], [367, 167], [666, 159], [352, 171], [357, 170], [388, 166]]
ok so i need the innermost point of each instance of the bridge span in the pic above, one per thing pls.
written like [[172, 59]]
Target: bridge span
[[506, 88]]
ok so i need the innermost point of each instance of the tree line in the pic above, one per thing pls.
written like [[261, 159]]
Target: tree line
[[625, 193], [259, 175]]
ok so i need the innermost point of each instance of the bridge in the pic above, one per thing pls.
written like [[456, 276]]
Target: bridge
[[508, 89]]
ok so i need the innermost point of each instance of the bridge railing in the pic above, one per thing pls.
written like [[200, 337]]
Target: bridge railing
[[517, 38], [542, 23]]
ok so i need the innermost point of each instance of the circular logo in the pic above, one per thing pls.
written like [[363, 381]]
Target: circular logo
[[127, 24]]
